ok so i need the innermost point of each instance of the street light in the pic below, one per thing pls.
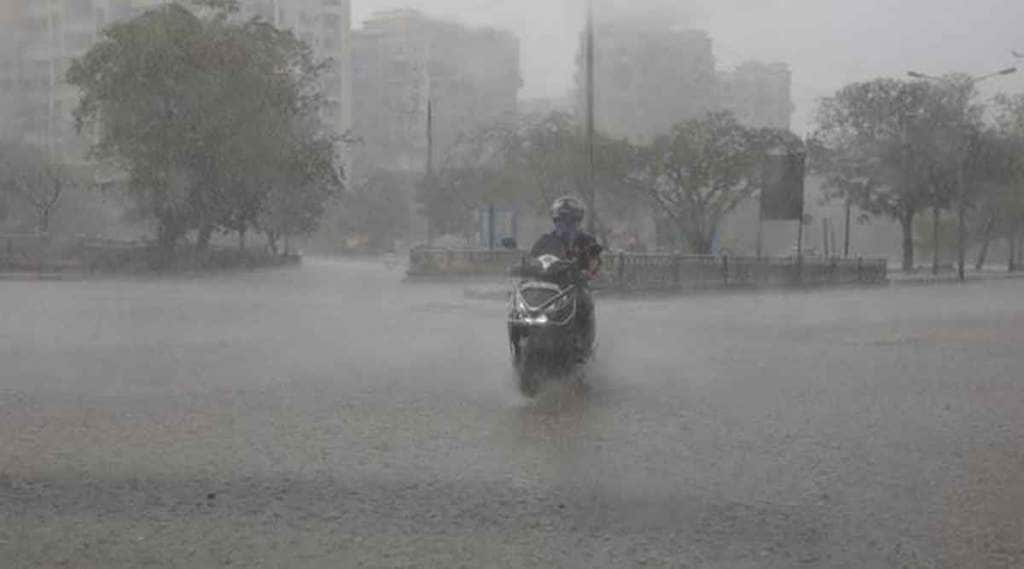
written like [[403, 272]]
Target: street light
[[971, 81], [591, 195], [961, 206]]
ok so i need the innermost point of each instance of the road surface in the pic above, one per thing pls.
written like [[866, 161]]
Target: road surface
[[333, 416]]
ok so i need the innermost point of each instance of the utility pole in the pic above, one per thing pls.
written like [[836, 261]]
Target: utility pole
[[961, 212], [51, 91], [430, 162], [589, 58]]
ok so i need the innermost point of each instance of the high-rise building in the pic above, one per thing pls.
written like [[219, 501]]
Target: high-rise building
[[647, 78], [41, 37], [406, 66], [759, 94], [326, 26]]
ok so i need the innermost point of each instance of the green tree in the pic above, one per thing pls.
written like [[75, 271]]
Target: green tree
[[552, 153], [375, 208], [1007, 199], [28, 175], [301, 182], [874, 146], [208, 116], [959, 150], [527, 165], [700, 173]]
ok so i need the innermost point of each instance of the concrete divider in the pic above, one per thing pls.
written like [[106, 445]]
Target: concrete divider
[[37, 253], [665, 272]]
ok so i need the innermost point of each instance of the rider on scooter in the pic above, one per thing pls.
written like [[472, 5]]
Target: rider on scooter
[[568, 241]]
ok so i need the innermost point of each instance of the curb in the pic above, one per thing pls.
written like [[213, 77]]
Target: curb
[[41, 277], [931, 280]]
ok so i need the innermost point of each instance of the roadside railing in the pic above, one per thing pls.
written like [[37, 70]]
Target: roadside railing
[[664, 271]]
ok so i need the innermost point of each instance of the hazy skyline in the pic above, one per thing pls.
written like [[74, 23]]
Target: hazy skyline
[[826, 42]]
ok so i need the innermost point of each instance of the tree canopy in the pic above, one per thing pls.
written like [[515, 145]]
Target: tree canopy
[[526, 164], [894, 147], [29, 176], [215, 120], [703, 170]]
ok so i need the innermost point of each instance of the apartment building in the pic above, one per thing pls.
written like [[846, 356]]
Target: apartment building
[[406, 64], [648, 78], [40, 38], [759, 94]]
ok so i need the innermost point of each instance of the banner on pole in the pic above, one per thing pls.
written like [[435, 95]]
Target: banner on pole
[[782, 196]]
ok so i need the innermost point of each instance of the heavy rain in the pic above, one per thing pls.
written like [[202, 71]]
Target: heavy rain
[[469, 283]]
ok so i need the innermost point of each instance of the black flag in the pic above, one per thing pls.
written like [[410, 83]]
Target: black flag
[[782, 196]]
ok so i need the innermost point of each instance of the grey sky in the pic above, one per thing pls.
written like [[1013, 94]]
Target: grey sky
[[827, 42]]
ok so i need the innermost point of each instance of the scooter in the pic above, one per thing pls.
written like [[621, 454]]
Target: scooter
[[545, 338]]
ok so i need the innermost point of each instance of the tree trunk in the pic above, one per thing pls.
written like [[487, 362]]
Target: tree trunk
[[1020, 248], [272, 242], [986, 240], [961, 241], [44, 220], [935, 240], [203, 239], [1011, 241], [907, 224], [241, 237], [168, 234], [846, 237], [699, 243]]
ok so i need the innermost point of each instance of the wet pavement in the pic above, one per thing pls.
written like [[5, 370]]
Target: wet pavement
[[334, 416]]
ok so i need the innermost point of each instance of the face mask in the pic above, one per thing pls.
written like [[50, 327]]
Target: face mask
[[566, 229]]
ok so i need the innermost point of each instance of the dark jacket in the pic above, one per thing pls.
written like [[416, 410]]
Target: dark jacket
[[585, 248]]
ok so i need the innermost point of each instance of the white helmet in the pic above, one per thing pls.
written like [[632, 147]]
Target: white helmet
[[568, 208]]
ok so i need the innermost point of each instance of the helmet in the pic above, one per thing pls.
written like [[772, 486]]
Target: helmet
[[568, 208]]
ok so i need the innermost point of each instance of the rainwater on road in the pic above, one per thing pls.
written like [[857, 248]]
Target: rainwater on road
[[335, 416]]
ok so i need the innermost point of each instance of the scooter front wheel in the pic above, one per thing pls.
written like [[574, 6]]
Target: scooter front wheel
[[528, 369]]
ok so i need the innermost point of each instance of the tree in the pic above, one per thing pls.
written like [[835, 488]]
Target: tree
[[1008, 198], [957, 149], [700, 173], [375, 208], [28, 175], [303, 180], [212, 119], [527, 164], [871, 145]]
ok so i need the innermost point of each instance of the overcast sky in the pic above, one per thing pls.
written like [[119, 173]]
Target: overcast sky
[[827, 42]]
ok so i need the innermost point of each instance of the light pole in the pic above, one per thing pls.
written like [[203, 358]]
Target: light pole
[[430, 162], [961, 182], [589, 59]]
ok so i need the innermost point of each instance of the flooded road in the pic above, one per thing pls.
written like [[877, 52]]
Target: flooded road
[[334, 416]]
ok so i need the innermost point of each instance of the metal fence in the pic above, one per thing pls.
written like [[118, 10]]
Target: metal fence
[[653, 272]]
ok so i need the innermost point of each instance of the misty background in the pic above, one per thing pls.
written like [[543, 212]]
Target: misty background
[[827, 43]]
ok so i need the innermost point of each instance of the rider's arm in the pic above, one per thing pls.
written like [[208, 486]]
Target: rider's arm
[[593, 257]]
